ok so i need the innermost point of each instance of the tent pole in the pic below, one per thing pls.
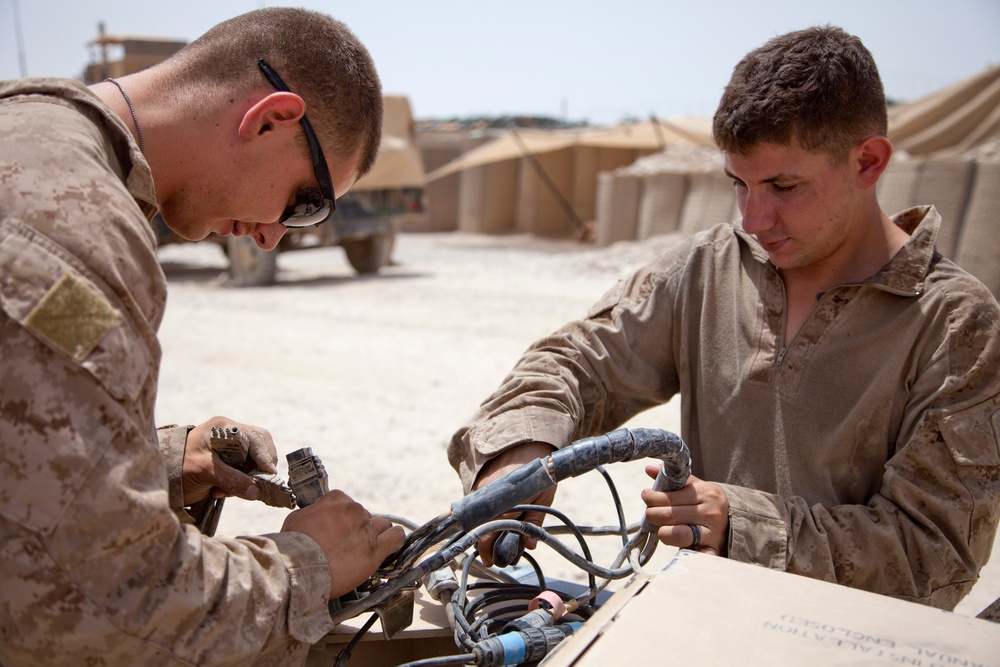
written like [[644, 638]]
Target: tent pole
[[565, 205]]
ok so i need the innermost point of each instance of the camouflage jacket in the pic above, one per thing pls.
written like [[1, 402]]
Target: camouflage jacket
[[97, 569], [865, 451]]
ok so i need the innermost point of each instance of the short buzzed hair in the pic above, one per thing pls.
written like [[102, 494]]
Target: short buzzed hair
[[318, 57], [818, 88]]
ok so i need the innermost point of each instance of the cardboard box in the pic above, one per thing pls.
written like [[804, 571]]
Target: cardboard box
[[712, 611]]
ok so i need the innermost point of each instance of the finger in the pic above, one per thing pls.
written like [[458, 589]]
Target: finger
[[390, 541], [672, 515], [685, 496], [485, 547], [235, 483], [262, 450], [681, 535], [379, 523]]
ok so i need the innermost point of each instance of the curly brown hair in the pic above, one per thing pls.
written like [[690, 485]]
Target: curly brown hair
[[818, 88], [318, 57]]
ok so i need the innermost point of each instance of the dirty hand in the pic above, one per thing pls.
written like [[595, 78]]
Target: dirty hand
[[699, 503], [497, 467], [354, 541], [204, 472]]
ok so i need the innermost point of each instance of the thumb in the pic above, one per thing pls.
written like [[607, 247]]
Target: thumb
[[235, 483]]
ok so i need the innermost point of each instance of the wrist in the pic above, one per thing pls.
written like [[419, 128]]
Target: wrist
[[173, 442]]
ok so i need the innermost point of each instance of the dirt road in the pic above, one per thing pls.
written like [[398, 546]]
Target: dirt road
[[375, 374]]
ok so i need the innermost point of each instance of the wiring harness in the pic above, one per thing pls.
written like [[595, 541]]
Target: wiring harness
[[499, 619]]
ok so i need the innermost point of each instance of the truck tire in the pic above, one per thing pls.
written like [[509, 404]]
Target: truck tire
[[370, 254], [249, 266]]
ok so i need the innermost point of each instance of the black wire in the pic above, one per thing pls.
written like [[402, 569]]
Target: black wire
[[345, 653], [540, 534], [479, 617], [498, 596], [409, 577], [542, 585], [501, 615], [591, 581], [402, 568], [618, 503], [596, 530], [419, 541], [463, 629]]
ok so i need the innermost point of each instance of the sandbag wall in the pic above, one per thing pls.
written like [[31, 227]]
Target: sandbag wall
[[441, 196], [680, 191], [572, 173], [966, 191], [550, 194], [636, 202]]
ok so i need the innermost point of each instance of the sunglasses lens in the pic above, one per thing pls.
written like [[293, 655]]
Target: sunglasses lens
[[311, 208]]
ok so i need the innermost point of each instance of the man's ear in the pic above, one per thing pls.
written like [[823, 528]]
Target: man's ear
[[271, 112], [872, 157]]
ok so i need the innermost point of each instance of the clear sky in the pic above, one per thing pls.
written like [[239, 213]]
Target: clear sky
[[601, 61]]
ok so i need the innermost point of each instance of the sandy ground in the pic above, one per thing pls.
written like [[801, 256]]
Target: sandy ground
[[375, 374]]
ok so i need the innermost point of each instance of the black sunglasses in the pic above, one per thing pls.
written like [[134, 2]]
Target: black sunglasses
[[312, 206]]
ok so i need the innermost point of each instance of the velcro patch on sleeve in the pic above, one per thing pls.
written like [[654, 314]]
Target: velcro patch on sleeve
[[73, 316]]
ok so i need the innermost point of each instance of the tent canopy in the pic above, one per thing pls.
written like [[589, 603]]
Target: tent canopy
[[652, 134], [398, 164], [951, 121]]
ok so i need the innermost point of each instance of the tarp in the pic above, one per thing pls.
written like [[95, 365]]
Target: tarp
[[951, 121], [398, 164], [652, 134]]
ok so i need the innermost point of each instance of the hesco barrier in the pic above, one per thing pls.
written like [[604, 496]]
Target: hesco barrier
[[618, 199], [979, 238], [662, 202], [636, 204]]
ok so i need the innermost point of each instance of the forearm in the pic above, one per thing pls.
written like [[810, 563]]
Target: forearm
[[173, 439], [149, 586], [559, 391], [923, 537], [587, 378]]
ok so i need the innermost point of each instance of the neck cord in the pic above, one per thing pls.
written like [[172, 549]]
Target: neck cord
[[138, 130]]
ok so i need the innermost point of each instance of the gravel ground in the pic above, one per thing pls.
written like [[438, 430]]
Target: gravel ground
[[376, 373]]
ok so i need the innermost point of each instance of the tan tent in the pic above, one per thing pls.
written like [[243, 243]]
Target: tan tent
[[650, 135], [399, 164], [951, 121], [545, 182]]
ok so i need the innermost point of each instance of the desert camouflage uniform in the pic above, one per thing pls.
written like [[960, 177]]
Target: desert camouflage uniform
[[96, 568], [864, 451]]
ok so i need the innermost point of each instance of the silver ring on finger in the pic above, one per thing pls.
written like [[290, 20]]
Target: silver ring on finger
[[695, 535]]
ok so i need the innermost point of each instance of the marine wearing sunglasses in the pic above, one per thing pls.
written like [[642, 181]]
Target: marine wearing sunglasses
[[313, 206]]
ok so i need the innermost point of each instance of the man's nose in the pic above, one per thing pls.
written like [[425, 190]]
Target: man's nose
[[757, 212], [267, 235]]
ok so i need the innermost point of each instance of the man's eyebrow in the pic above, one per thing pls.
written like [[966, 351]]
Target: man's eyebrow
[[774, 179]]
